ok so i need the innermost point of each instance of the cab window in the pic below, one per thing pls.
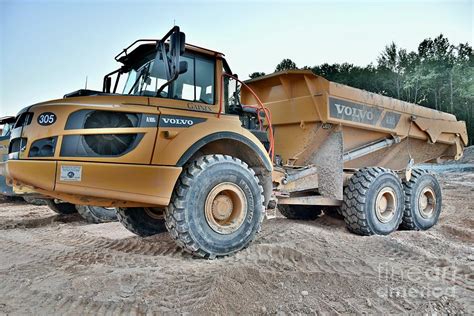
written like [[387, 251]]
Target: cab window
[[197, 84], [6, 130], [205, 85], [183, 87]]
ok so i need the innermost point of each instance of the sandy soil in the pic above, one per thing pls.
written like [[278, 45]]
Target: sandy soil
[[61, 265]]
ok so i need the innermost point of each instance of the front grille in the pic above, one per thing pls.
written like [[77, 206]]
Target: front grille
[[43, 147], [101, 119], [109, 119], [99, 145]]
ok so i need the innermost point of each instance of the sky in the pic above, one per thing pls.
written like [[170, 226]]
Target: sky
[[48, 48]]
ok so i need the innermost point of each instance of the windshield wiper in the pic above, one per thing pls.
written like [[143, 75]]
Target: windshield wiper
[[143, 73]]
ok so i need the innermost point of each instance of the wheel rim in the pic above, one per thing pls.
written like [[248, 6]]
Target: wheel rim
[[226, 208], [386, 205], [427, 203], [155, 213]]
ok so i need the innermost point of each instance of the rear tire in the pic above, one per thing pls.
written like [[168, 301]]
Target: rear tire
[[97, 214], [142, 221], [301, 212], [423, 200], [373, 202], [62, 208], [217, 207]]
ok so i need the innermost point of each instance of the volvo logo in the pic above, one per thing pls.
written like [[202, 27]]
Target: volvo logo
[[355, 113], [179, 121]]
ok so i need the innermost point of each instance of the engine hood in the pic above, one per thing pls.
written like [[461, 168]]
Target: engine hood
[[86, 99], [84, 92]]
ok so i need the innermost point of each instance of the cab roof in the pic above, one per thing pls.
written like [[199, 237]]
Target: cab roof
[[133, 53], [7, 120]]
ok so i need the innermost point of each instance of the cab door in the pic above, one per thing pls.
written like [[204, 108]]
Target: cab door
[[187, 102]]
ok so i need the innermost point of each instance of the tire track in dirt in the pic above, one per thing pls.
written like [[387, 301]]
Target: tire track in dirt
[[126, 254], [270, 257], [404, 256], [410, 256], [39, 222]]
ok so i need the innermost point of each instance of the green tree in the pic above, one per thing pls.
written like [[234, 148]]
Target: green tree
[[256, 74], [285, 64], [390, 63]]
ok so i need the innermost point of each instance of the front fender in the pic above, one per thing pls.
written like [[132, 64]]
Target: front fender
[[226, 135]]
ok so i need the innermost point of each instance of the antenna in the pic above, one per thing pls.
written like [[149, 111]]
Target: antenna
[[86, 83], [174, 22]]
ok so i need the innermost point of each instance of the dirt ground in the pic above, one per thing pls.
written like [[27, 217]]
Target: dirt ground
[[468, 156], [61, 265]]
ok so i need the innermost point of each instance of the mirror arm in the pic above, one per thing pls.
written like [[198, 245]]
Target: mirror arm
[[166, 84], [162, 53], [171, 71]]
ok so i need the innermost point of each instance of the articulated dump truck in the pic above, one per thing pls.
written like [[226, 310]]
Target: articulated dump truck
[[187, 147]]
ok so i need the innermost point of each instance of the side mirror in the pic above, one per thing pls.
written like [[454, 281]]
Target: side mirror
[[183, 42], [183, 67], [173, 66], [177, 43], [108, 84]]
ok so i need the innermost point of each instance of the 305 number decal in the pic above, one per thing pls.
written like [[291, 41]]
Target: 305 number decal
[[46, 118]]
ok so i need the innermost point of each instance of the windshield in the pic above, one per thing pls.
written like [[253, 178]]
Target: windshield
[[196, 84], [6, 129], [146, 80]]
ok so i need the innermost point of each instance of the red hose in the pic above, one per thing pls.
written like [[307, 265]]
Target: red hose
[[260, 107]]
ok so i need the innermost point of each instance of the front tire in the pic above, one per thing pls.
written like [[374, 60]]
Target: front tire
[[301, 212], [217, 207], [97, 214], [422, 201], [142, 221], [62, 208], [373, 202]]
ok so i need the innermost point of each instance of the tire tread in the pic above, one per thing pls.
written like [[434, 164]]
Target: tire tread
[[355, 197], [175, 212], [408, 221]]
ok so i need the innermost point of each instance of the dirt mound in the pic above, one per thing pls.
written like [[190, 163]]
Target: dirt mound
[[64, 266], [468, 155]]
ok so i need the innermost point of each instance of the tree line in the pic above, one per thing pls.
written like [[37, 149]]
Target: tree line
[[439, 75]]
